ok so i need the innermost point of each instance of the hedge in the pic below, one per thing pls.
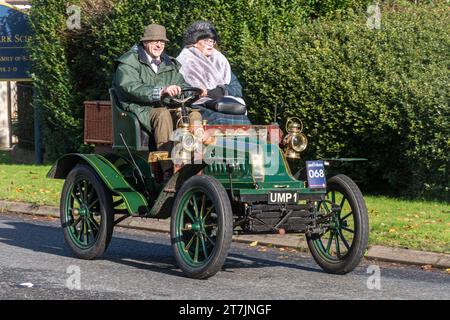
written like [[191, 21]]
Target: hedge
[[379, 94], [52, 81]]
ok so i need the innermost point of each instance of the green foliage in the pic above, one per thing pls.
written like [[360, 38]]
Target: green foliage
[[128, 18], [61, 127], [380, 94]]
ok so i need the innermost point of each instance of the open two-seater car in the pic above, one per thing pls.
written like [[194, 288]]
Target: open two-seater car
[[234, 179]]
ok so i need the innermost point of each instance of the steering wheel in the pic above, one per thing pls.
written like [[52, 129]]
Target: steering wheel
[[188, 94], [183, 100]]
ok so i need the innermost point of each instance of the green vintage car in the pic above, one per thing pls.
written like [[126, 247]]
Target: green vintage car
[[234, 179]]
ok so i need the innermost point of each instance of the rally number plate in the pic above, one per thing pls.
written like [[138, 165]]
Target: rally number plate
[[315, 171], [277, 197]]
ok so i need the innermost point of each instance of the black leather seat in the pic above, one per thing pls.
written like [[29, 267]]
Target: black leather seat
[[227, 105]]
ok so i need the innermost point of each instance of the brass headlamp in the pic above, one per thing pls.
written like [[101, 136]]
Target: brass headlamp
[[184, 143], [295, 141]]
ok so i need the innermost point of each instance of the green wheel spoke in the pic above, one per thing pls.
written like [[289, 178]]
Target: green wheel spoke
[[186, 248], [189, 214], [348, 229], [197, 244], [330, 240], [88, 224], [76, 189], [333, 196], [94, 223], [76, 198], [91, 196], [209, 239], [79, 192], [210, 225], [80, 235], [194, 200], [338, 248], [202, 208], [91, 201], [205, 253], [92, 204], [208, 212], [327, 210], [76, 222], [341, 205], [344, 240], [85, 191], [348, 215], [86, 231]]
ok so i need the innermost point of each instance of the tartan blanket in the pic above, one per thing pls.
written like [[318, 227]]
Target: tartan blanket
[[214, 117]]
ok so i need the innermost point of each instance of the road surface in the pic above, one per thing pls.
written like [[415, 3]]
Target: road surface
[[36, 264]]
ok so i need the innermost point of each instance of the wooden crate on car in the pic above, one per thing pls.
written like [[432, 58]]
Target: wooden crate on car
[[98, 123]]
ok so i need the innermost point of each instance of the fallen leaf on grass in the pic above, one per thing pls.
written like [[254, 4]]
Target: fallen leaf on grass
[[392, 230], [253, 244], [49, 218]]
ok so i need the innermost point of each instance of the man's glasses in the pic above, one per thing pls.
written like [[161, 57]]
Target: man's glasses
[[160, 42]]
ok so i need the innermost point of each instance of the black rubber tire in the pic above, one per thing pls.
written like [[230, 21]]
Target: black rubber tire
[[219, 197], [106, 226], [347, 187]]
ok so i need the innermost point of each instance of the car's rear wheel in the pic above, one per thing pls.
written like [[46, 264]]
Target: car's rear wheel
[[341, 247], [86, 213], [201, 227]]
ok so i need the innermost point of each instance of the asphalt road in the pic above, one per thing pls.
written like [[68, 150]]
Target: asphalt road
[[140, 265]]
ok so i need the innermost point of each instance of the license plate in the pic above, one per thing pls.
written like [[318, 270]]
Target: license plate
[[276, 197], [315, 171]]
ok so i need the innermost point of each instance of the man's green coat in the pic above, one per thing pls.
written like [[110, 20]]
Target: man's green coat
[[138, 87]]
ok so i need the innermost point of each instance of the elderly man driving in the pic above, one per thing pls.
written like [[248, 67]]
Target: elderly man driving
[[144, 76]]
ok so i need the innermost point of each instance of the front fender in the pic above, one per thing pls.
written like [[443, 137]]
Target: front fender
[[113, 179]]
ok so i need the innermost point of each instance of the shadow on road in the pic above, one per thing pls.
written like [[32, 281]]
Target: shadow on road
[[150, 254]]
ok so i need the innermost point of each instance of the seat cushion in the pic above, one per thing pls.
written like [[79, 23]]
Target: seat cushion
[[219, 118], [226, 105]]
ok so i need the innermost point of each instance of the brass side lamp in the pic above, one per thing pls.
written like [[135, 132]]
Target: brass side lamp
[[295, 141]]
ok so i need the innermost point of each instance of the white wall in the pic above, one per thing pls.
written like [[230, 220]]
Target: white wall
[[5, 130]]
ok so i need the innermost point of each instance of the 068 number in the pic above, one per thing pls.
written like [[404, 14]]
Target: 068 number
[[316, 173]]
